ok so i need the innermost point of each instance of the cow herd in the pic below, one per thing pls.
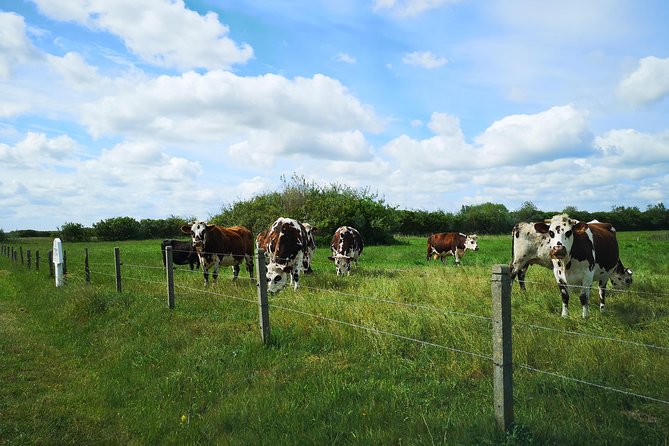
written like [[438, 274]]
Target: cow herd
[[578, 253]]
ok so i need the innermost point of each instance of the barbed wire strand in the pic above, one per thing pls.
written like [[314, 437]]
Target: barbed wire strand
[[594, 283], [600, 386]]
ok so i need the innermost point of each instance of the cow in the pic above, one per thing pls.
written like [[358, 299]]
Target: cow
[[581, 254], [347, 245], [217, 245], [285, 242], [311, 247], [531, 247], [453, 244], [183, 253]]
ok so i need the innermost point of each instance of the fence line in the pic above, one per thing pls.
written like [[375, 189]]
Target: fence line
[[600, 386], [594, 284]]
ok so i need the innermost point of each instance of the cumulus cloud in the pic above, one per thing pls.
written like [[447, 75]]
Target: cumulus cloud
[[75, 71], [648, 83], [162, 32], [410, 8], [15, 47], [260, 117], [560, 132], [38, 149], [629, 147], [425, 59]]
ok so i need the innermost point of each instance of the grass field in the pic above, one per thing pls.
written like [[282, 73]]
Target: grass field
[[83, 364]]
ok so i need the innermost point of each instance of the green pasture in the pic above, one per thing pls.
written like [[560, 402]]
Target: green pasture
[[394, 354]]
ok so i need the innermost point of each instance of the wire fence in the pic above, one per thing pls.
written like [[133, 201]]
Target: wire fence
[[102, 269]]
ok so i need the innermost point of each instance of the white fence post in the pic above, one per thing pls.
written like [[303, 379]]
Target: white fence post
[[501, 346], [58, 261]]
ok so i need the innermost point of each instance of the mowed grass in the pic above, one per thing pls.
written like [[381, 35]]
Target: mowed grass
[[396, 353]]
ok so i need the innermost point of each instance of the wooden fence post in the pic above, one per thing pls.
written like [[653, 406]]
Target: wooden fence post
[[37, 260], [501, 346], [87, 270], [169, 268], [21, 250], [50, 257], [263, 305], [117, 266]]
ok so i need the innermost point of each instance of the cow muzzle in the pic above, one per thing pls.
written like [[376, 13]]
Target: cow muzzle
[[558, 252]]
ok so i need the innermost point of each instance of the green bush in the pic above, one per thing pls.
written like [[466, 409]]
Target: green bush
[[73, 232], [118, 228]]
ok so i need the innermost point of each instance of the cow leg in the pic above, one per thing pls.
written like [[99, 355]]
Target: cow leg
[[217, 264], [521, 278], [296, 280], [457, 258], [565, 299], [235, 271], [585, 297], [602, 294], [205, 271], [249, 265]]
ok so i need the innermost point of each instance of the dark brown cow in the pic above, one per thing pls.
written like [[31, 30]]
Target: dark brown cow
[[453, 244], [217, 245], [183, 253], [581, 253], [346, 245], [286, 243]]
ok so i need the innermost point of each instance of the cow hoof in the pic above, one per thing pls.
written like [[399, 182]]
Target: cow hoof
[[565, 312], [601, 308], [585, 313]]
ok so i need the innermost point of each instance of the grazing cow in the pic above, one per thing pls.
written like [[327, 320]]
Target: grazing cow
[[581, 253], [346, 245], [216, 246], [453, 244], [183, 253], [285, 242], [311, 247], [531, 247]]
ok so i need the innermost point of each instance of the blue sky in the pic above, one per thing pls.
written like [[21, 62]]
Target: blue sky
[[149, 109]]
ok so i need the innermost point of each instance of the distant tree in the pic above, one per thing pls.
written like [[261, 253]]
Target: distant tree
[[73, 232], [528, 212], [488, 218], [656, 217], [574, 213], [118, 228], [3, 236]]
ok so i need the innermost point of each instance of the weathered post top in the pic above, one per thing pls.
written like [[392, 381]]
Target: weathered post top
[[57, 251]]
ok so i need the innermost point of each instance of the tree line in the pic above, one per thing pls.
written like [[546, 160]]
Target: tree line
[[330, 206]]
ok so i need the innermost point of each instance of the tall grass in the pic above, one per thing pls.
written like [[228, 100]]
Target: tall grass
[[84, 364]]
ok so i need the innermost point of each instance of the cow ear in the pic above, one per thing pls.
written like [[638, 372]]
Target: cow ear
[[541, 227], [210, 227], [580, 227], [185, 229]]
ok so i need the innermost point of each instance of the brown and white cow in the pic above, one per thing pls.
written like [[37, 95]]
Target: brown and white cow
[[286, 243], [531, 247], [346, 245], [581, 253], [219, 246], [453, 244]]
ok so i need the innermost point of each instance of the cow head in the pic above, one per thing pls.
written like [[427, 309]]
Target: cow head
[[342, 263], [277, 277], [198, 232], [621, 278], [561, 231], [471, 242]]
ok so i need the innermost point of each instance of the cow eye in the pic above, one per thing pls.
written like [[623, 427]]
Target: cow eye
[[568, 234], [277, 279]]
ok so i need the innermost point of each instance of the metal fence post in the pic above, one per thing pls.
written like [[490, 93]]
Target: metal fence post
[[117, 266], [501, 346], [169, 268], [263, 305]]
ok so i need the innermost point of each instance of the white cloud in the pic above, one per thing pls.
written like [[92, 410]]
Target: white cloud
[[648, 83], [515, 140], [410, 8], [425, 59], [76, 72], [38, 149], [15, 48], [162, 32], [629, 147], [258, 117], [346, 58], [558, 132]]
